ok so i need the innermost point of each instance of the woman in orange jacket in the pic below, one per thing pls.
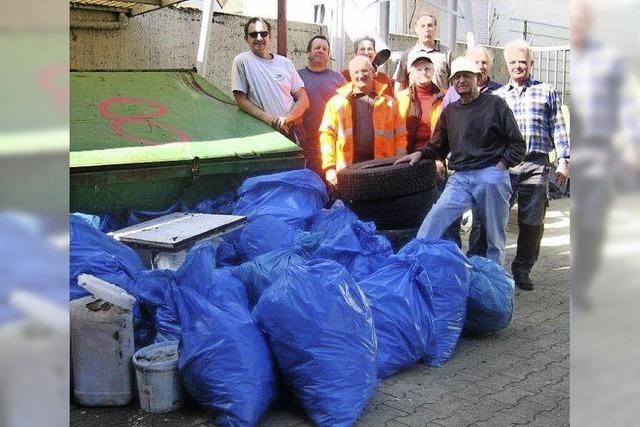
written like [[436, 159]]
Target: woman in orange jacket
[[420, 104]]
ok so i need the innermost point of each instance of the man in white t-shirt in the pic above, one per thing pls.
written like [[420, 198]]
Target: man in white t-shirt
[[267, 86]]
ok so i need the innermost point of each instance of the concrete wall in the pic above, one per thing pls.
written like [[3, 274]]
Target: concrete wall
[[168, 39], [228, 40], [551, 12]]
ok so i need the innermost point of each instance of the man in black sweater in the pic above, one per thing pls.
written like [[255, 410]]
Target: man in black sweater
[[482, 136]]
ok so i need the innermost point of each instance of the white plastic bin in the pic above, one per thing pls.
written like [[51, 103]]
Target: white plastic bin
[[159, 387]]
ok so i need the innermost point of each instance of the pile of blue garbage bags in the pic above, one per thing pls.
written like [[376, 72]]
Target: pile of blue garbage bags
[[303, 300]]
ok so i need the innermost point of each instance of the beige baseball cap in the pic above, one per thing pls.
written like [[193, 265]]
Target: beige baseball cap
[[415, 55], [462, 64]]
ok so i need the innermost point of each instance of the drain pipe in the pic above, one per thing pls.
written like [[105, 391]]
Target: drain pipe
[[205, 34], [101, 25], [282, 27]]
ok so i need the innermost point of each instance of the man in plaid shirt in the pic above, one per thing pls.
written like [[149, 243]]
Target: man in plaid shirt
[[536, 107]]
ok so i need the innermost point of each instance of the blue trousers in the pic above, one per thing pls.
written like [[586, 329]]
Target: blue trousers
[[487, 190]]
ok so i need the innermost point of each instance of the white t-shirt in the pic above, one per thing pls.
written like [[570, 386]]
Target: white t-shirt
[[268, 83]]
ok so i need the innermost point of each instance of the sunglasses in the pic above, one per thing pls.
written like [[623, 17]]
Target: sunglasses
[[254, 34]]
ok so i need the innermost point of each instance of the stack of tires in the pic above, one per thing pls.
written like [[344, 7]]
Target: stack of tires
[[395, 197]]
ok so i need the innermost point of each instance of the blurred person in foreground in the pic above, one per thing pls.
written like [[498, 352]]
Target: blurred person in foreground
[[361, 122], [482, 136], [366, 46], [321, 84], [537, 109], [267, 86], [603, 108]]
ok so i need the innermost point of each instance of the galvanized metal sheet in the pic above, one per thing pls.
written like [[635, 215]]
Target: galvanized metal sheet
[[134, 7], [178, 230]]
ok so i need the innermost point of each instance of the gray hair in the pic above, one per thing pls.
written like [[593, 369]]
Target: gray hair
[[520, 45], [482, 49]]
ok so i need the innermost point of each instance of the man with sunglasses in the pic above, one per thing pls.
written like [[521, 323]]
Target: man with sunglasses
[[267, 86]]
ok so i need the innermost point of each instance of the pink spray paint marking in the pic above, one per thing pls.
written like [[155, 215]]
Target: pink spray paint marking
[[46, 80], [118, 120]]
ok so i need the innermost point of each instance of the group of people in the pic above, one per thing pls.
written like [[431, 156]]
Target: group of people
[[495, 138]]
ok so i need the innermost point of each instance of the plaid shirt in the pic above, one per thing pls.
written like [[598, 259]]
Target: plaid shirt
[[602, 96], [536, 107]]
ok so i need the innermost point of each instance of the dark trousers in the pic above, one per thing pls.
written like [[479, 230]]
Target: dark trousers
[[530, 185]]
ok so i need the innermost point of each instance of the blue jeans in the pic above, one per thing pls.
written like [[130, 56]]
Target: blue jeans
[[489, 191]]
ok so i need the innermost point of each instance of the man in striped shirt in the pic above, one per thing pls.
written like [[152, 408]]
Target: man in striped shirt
[[536, 107]]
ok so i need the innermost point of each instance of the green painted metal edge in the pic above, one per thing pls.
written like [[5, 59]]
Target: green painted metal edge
[[239, 148], [191, 101], [36, 142]]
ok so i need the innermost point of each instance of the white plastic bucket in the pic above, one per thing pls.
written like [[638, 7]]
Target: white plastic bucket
[[159, 387]]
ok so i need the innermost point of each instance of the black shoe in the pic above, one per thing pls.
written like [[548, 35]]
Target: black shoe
[[522, 280]]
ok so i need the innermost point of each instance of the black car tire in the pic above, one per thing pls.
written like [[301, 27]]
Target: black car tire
[[396, 213], [381, 179]]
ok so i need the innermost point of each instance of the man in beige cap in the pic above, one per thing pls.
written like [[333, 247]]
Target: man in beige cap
[[482, 136]]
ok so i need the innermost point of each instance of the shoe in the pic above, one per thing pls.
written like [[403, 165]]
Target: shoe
[[522, 280]]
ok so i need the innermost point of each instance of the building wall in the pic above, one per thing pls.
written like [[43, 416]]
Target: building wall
[[168, 39], [510, 14]]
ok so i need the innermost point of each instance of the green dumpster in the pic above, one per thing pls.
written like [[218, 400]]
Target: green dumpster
[[146, 139]]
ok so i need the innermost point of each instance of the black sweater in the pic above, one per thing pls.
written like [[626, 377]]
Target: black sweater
[[477, 135]]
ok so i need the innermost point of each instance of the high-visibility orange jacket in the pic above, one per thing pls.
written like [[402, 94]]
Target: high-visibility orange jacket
[[409, 109], [336, 130]]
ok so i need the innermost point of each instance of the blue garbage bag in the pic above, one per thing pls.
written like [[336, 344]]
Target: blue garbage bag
[[400, 297], [198, 273], [448, 271], [151, 287], [104, 222], [93, 252], [357, 247], [321, 332], [294, 196], [224, 361], [226, 252], [221, 205], [30, 262], [262, 272], [330, 221], [136, 217], [264, 234], [490, 303]]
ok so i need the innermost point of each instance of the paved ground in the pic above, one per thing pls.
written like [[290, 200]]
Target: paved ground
[[518, 376]]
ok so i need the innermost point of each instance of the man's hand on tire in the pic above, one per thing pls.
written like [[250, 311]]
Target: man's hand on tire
[[412, 158], [331, 176]]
